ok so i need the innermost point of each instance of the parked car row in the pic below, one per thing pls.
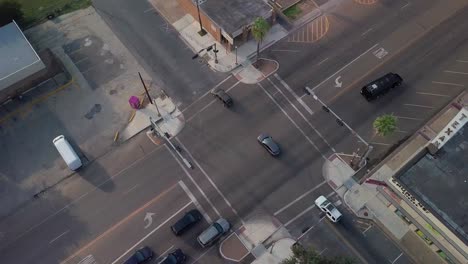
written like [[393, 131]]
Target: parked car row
[[208, 237]]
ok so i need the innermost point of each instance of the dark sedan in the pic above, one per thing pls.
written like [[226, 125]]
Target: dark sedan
[[140, 256], [269, 144], [175, 257]]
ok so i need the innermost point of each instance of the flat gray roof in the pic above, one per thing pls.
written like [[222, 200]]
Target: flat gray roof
[[15, 51], [441, 182], [232, 15]]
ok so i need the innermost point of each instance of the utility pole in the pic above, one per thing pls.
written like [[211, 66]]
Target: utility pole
[[147, 94], [340, 121]]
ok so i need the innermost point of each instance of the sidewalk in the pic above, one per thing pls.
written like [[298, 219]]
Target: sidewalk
[[369, 199]]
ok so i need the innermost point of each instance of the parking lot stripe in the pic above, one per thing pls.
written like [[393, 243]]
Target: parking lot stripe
[[165, 252], [209, 179], [300, 113], [292, 121], [193, 181], [397, 258], [378, 143], [457, 72], [433, 94], [322, 61], [195, 201], [150, 233], [422, 106], [409, 118], [298, 198], [449, 84]]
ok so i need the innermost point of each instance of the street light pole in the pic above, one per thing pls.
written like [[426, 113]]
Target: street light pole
[[147, 94], [215, 52], [202, 32], [236, 54], [339, 120]]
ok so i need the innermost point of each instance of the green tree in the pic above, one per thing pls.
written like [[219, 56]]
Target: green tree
[[10, 11], [385, 125], [260, 28], [302, 255]]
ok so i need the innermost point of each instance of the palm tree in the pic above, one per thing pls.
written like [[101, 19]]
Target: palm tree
[[302, 255], [260, 28], [385, 125]]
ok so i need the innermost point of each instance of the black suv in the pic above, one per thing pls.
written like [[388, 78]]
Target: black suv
[[188, 220], [381, 86], [222, 96]]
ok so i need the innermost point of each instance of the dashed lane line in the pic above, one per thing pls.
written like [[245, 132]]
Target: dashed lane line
[[433, 94], [449, 84], [421, 106]]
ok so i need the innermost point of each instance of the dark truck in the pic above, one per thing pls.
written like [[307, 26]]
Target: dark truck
[[381, 86]]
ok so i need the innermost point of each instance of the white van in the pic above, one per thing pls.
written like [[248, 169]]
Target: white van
[[68, 154]]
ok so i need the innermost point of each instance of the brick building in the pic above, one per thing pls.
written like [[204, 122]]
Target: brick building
[[228, 21]]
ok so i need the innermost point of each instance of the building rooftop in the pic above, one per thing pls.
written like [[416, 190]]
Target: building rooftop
[[441, 182], [15, 51], [232, 15]]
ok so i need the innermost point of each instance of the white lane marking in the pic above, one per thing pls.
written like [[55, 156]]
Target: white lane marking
[[148, 10], [304, 212], [409, 118], [457, 72], [193, 181], [382, 144], [407, 4], [338, 203], [203, 254], [422, 106], [344, 67], [401, 131], [292, 121], [367, 31], [433, 94], [367, 229], [299, 215], [310, 228], [131, 189], [462, 61], [395, 260], [210, 103], [321, 252], [216, 86], [152, 231], [59, 236], [209, 179], [303, 117], [298, 198], [162, 255], [322, 61], [307, 108], [450, 84], [286, 50], [84, 195], [195, 201]]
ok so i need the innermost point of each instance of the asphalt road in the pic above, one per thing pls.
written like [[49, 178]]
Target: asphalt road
[[100, 215], [158, 48]]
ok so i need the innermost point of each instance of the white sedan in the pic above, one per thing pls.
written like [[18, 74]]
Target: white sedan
[[328, 208]]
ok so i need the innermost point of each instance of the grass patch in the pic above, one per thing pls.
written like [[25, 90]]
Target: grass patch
[[37, 11], [292, 12]]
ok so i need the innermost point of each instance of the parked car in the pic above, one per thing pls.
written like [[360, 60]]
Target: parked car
[[224, 97], [381, 86], [186, 222], [328, 208], [214, 232], [142, 255], [175, 257], [269, 144]]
